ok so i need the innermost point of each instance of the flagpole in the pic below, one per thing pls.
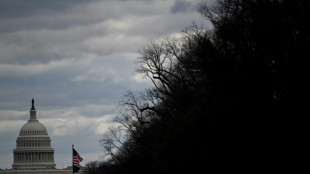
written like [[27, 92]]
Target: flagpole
[[72, 161]]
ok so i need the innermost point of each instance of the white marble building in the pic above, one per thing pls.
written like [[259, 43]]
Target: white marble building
[[33, 146]]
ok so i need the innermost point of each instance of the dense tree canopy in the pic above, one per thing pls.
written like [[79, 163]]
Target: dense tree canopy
[[220, 96]]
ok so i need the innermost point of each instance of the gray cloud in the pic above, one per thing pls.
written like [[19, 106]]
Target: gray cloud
[[14, 13], [185, 6]]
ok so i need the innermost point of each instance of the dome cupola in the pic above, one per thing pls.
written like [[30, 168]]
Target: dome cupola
[[33, 126]]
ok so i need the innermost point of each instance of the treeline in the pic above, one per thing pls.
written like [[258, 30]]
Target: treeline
[[223, 98]]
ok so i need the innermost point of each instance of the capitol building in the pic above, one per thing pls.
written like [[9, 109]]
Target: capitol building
[[33, 153], [33, 146]]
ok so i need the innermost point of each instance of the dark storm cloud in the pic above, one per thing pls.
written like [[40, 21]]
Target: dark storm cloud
[[27, 14], [26, 8]]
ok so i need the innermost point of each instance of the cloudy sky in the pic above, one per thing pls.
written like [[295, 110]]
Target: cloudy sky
[[76, 58]]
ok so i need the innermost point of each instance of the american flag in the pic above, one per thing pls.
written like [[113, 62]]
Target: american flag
[[76, 157]]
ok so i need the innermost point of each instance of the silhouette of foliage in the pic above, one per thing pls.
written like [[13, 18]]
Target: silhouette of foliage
[[220, 96]]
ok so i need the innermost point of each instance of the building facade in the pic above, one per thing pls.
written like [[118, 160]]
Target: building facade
[[33, 146]]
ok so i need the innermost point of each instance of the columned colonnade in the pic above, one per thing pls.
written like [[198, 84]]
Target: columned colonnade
[[33, 156]]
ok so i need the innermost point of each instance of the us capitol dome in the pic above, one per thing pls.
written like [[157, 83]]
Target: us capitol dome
[[33, 146]]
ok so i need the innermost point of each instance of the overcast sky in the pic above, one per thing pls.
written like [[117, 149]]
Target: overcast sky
[[76, 58]]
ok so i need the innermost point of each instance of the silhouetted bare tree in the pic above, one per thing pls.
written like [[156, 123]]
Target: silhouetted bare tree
[[219, 96]]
